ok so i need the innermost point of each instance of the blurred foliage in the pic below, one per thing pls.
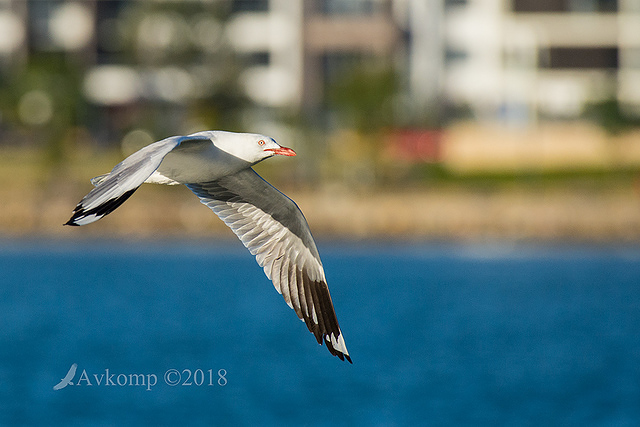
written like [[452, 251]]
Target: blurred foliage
[[611, 116], [58, 77], [58, 80], [363, 97], [437, 173]]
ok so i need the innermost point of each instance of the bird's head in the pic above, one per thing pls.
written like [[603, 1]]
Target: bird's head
[[251, 147]]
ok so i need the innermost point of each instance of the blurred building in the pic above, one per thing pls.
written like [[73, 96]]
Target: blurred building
[[278, 54], [307, 46], [521, 60], [515, 61]]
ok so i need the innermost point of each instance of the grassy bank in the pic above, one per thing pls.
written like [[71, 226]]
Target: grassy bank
[[595, 205]]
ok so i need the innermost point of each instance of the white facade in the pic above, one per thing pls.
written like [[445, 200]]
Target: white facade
[[507, 64], [276, 33]]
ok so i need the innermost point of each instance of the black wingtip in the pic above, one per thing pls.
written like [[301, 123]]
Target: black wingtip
[[343, 356], [105, 208], [334, 351]]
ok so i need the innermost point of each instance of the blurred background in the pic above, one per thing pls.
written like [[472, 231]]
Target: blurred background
[[457, 119]]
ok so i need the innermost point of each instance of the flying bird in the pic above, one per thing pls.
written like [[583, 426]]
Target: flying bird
[[216, 167]]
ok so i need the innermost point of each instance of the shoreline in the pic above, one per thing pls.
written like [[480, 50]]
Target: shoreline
[[490, 185], [436, 214]]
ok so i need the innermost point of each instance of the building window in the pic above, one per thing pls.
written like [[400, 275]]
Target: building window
[[350, 7], [565, 5], [256, 59], [40, 15], [455, 3], [250, 6], [452, 55], [583, 58]]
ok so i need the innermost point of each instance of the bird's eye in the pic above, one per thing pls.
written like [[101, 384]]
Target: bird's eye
[[261, 142]]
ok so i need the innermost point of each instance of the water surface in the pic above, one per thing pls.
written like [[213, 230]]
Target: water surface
[[439, 334]]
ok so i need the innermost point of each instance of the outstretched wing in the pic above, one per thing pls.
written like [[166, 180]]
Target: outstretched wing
[[116, 187], [273, 228]]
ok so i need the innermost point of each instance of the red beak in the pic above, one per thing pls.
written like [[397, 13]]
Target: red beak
[[283, 151]]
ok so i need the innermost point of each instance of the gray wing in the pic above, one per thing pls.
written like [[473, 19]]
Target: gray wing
[[274, 230], [114, 188]]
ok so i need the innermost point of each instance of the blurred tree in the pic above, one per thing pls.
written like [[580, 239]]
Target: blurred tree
[[611, 116], [364, 98], [43, 100]]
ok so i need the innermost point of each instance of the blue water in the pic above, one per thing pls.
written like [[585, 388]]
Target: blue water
[[440, 334]]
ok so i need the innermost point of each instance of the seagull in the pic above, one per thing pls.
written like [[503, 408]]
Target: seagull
[[216, 167]]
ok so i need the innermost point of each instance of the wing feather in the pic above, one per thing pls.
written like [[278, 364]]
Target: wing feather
[[284, 282], [274, 230], [113, 189]]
